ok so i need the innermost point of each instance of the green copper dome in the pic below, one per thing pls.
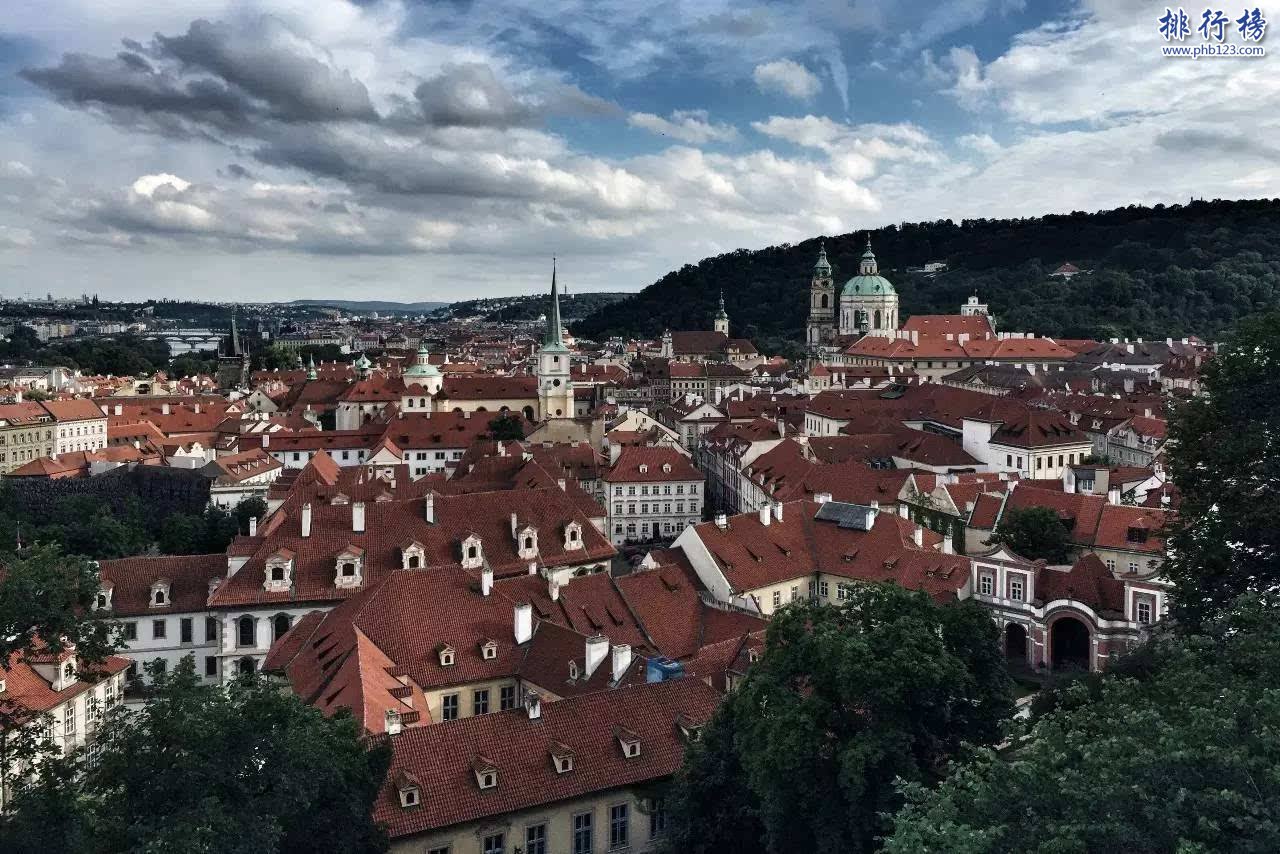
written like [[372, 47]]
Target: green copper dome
[[868, 286], [421, 366]]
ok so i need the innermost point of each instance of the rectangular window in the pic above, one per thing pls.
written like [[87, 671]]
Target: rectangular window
[[1015, 588], [210, 665], [443, 849], [507, 697], [69, 722], [619, 826], [777, 598], [1111, 564], [449, 707], [186, 629], [130, 631], [795, 592], [824, 589], [583, 838], [158, 629], [535, 839], [1144, 611], [1039, 462], [1019, 463], [494, 843], [985, 584], [211, 628], [1133, 567], [480, 702], [657, 818]]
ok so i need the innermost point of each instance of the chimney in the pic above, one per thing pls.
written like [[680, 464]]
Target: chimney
[[621, 660], [533, 567], [514, 523], [523, 622], [253, 526], [764, 515], [502, 449], [777, 510], [197, 409], [486, 581], [948, 547], [562, 483], [393, 722], [266, 440], [917, 536], [306, 519], [782, 427], [429, 508], [822, 497], [875, 505], [357, 517], [533, 705], [553, 590], [722, 521], [903, 511], [119, 410], [597, 647], [164, 409], [1113, 495]]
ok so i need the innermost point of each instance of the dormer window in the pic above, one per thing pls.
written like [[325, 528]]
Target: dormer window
[[279, 573], [572, 536], [527, 542], [409, 789], [689, 728], [573, 670], [69, 672], [349, 565], [561, 757], [489, 650], [472, 553], [486, 772], [446, 654], [160, 594], [628, 741], [103, 600], [666, 468], [409, 797], [644, 468], [412, 555]]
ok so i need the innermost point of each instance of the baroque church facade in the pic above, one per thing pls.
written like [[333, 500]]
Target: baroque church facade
[[866, 304]]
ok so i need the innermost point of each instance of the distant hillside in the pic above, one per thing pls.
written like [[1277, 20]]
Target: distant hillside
[[1155, 272], [574, 306], [372, 305]]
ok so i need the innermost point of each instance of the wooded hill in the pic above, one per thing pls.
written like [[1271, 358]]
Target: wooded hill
[[1153, 271]]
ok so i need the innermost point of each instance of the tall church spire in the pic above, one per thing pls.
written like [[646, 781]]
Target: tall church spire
[[552, 337], [721, 323], [868, 266]]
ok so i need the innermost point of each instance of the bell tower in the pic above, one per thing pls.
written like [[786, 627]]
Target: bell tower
[[555, 392], [722, 318], [822, 302]]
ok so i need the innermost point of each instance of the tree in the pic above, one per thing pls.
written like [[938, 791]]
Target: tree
[[506, 428], [844, 701], [1184, 760], [46, 601], [1223, 456], [205, 769], [1034, 533]]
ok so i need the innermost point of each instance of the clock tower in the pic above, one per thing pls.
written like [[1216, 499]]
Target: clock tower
[[555, 391], [822, 303]]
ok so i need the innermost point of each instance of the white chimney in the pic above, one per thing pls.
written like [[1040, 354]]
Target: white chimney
[[917, 536], [553, 590], [822, 497], [524, 622], [722, 521], [1113, 495], [597, 647], [393, 722], [253, 526], [429, 508], [764, 515], [533, 705], [164, 409], [197, 409], [357, 517], [875, 505], [486, 581], [514, 523], [533, 567], [105, 409], [782, 428], [777, 510], [306, 519], [903, 511], [621, 660], [948, 547]]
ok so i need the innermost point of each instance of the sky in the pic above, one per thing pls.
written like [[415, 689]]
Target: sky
[[279, 149]]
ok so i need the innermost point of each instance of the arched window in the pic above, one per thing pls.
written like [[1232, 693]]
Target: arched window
[[280, 625], [246, 631], [826, 301], [471, 552], [528, 413]]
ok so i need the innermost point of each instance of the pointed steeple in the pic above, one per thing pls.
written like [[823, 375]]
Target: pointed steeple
[[312, 373], [868, 266], [552, 340], [722, 313], [822, 269]]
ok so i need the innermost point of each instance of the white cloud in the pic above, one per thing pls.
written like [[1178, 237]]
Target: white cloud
[[692, 126], [785, 77], [147, 185], [982, 143], [17, 238]]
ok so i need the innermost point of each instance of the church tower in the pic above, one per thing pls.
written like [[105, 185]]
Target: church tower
[[868, 301], [555, 392], [822, 302], [722, 318]]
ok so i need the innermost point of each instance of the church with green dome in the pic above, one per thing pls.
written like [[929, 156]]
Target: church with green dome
[[867, 304]]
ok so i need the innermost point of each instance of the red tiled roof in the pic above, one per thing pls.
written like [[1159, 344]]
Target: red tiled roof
[[188, 576], [441, 757], [1088, 581], [651, 464]]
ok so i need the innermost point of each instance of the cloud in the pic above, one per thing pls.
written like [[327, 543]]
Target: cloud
[[785, 77], [16, 238], [692, 126], [982, 143]]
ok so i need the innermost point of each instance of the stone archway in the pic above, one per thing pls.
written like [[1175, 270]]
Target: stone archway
[[1070, 645], [1015, 643]]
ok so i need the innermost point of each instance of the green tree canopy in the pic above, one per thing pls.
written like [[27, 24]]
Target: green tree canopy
[[1183, 761], [1225, 459], [47, 598], [506, 428], [845, 700], [1034, 533], [200, 768]]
